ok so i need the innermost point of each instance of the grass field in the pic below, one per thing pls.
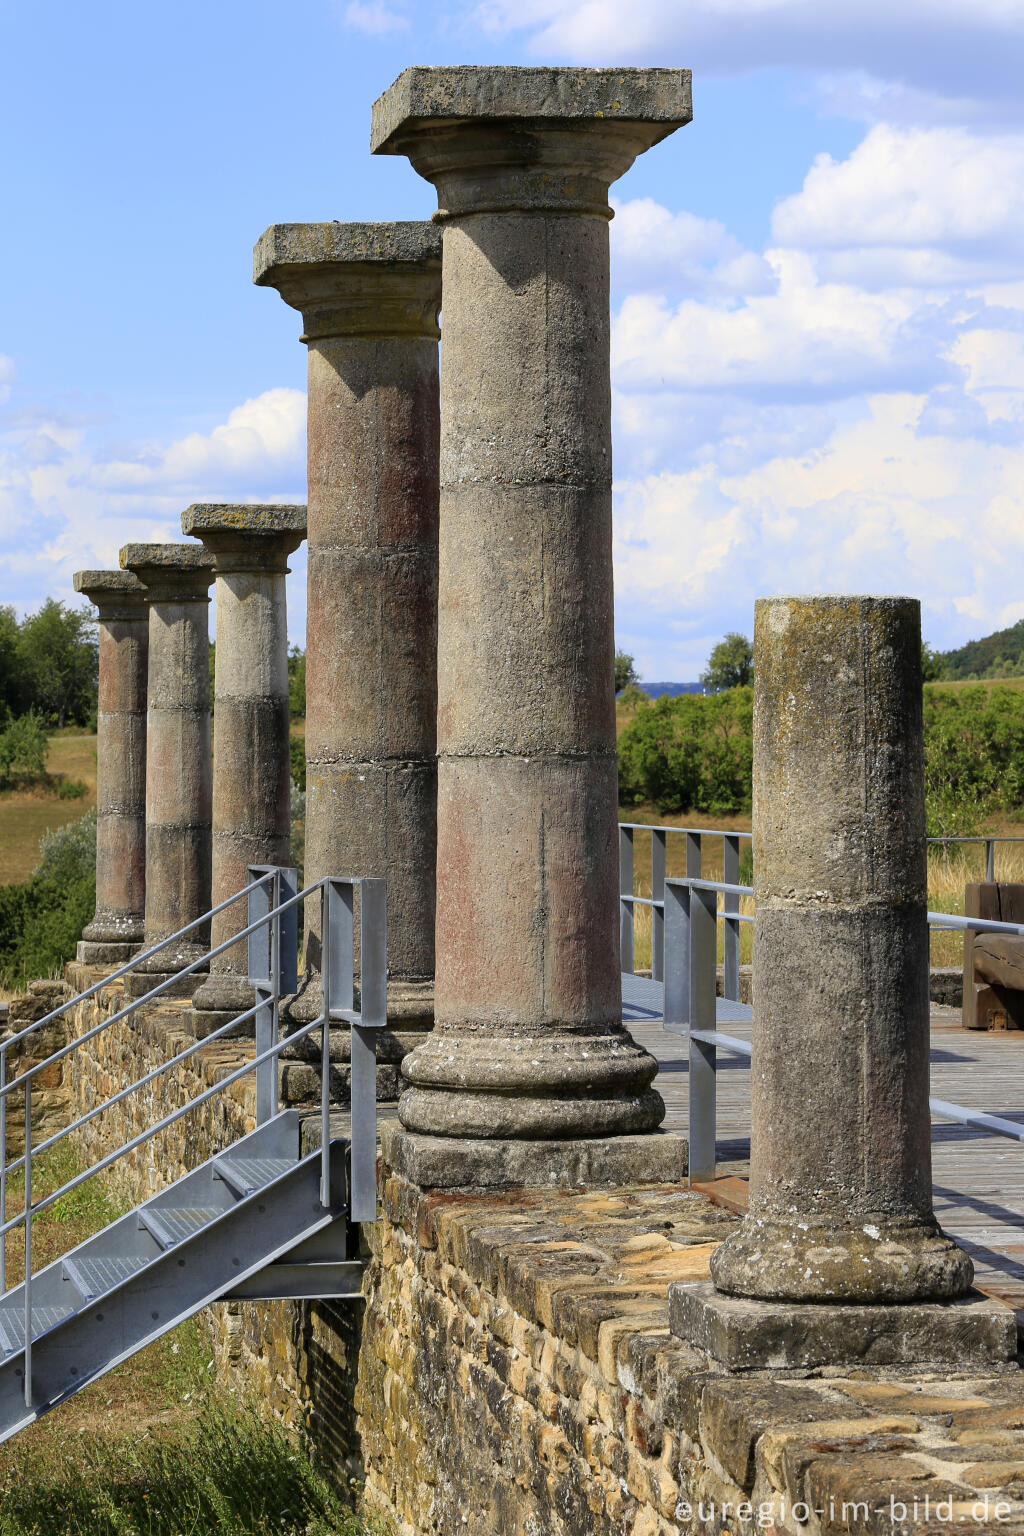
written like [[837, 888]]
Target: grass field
[[25, 814], [155, 1448]]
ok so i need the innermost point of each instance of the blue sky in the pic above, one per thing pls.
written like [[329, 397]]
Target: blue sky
[[818, 335]]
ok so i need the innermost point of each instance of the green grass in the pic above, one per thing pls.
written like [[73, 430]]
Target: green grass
[[157, 1447], [25, 814]]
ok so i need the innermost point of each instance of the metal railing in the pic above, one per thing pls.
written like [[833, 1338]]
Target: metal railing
[[271, 933], [691, 1009], [693, 857]]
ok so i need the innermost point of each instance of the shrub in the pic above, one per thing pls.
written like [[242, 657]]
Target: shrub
[[71, 789], [689, 753], [297, 757], [41, 919], [23, 748]]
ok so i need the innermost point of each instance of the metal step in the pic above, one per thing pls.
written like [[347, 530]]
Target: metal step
[[245, 1175], [173, 1226], [12, 1324], [95, 1276]]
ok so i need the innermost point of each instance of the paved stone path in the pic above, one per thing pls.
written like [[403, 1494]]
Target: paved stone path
[[978, 1179]]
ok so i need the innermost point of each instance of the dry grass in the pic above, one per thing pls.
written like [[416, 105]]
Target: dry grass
[[25, 814]]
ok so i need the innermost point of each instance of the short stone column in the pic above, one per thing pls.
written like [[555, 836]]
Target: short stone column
[[251, 764], [115, 931], [528, 1041], [369, 296], [177, 580], [840, 1207]]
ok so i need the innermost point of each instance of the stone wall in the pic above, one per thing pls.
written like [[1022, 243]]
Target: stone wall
[[51, 1098], [518, 1376]]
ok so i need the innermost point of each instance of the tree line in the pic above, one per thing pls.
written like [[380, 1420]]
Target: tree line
[[49, 665]]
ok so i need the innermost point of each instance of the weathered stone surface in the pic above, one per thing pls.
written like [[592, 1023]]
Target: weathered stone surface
[[251, 763], [177, 579], [841, 1212], [974, 1332], [369, 296], [529, 1041], [438, 1162], [116, 928]]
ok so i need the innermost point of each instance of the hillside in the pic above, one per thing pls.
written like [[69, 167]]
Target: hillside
[[998, 655]]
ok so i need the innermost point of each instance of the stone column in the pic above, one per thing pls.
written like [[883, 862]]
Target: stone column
[[177, 579], [369, 296], [251, 764], [840, 1206], [115, 931], [528, 1041]]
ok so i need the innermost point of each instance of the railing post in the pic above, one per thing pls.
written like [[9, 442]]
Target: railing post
[[337, 928], [693, 853], [373, 1014], [626, 908], [730, 928], [702, 1016], [28, 1242], [657, 913], [259, 904], [677, 958], [990, 859], [3, 1169]]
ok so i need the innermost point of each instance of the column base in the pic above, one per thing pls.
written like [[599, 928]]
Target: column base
[[443, 1162], [410, 1020], [164, 965], [219, 999], [89, 952], [872, 1260], [974, 1333]]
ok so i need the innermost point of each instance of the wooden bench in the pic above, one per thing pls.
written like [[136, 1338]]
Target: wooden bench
[[994, 963]]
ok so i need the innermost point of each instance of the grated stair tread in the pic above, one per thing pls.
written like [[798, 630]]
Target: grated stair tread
[[170, 1225], [94, 1277], [12, 1324], [248, 1174]]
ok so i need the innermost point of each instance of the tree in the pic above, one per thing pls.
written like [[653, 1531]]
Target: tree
[[625, 671], [933, 664], [12, 687], [297, 683], [730, 665], [59, 654]]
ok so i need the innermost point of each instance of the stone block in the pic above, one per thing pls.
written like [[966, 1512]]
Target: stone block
[[440, 1162], [973, 1333]]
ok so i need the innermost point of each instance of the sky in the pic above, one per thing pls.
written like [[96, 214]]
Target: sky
[[818, 285]]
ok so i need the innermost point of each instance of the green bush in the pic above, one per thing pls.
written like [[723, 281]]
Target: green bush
[[974, 757], [297, 756], [689, 753], [41, 919], [23, 748], [71, 789]]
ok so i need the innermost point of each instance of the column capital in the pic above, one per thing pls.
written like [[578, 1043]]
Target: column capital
[[503, 139], [355, 279], [117, 594], [247, 537], [171, 573]]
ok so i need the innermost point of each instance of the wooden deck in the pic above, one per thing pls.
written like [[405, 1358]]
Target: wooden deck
[[978, 1179]]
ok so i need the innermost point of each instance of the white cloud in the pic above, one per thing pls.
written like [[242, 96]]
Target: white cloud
[[912, 189], [950, 49], [67, 504], [654, 250], [375, 18]]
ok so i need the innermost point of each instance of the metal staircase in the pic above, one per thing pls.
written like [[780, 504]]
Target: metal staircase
[[259, 1220]]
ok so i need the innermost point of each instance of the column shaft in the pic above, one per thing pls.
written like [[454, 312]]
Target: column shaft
[[369, 296], [528, 1040], [840, 1188], [251, 762], [177, 578], [116, 929]]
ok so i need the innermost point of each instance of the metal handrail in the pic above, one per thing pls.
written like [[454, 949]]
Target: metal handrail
[[690, 1008], [337, 902]]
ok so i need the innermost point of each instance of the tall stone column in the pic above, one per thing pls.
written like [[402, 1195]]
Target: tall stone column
[[840, 1207], [369, 296], [251, 763], [528, 1040], [115, 931], [177, 580]]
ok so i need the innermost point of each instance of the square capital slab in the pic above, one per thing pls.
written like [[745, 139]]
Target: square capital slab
[[170, 572], [247, 536], [111, 591], [503, 139]]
